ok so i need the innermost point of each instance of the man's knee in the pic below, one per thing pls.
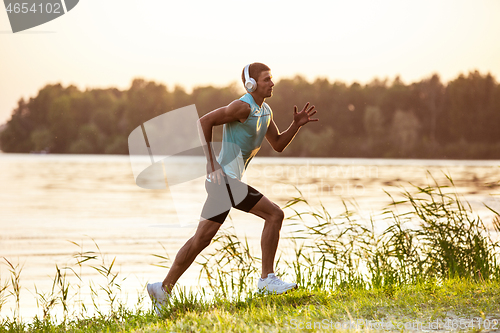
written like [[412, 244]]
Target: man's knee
[[269, 211], [277, 213]]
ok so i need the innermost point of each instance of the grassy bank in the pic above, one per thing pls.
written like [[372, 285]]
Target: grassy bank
[[422, 303], [413, 306], [434, 266]]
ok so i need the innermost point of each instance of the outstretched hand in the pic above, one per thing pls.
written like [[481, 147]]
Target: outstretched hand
[[303, 117]]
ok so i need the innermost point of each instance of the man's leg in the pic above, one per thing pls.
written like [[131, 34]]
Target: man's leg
[[204, 233], [273, 216]]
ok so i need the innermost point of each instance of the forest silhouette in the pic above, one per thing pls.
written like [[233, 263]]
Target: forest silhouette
[[426, 119]]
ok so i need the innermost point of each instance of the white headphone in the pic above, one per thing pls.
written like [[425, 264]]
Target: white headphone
[[250, 84]]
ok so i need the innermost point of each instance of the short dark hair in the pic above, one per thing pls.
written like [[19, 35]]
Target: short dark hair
[[254, 71]]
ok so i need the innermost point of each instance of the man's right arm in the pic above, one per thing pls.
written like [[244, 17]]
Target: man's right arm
[[235, 111]]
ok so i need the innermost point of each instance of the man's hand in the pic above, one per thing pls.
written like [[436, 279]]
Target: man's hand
[[217, 175], [303, 117]]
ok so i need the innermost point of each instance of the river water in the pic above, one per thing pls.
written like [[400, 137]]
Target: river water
[[50, 202]]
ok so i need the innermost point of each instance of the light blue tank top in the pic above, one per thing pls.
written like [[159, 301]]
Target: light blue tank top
[[242, 141]]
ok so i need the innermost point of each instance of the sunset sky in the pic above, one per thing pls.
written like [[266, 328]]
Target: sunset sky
[[102, 44]]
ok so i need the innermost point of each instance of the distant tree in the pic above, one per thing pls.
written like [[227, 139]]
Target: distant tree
[[90, 140], [179, 98], [429, 104], [15, 138], [470, 109], [62, 123], [373, 122], [404, 131], [316, 143], [42, 139], [144, 101], [117, 145]]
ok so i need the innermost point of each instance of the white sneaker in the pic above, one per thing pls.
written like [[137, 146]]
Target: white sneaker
[[273, 284], [159, 297]]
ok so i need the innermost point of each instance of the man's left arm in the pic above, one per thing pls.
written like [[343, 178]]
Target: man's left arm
[[279, 141]]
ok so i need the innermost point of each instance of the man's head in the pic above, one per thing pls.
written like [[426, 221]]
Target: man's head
[[262, 75]]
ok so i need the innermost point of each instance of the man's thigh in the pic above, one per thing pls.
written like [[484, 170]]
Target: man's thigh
[[217, 204], [265, 208]]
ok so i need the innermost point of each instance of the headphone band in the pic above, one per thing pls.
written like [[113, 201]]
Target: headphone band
[[247, 72], [250, 84]]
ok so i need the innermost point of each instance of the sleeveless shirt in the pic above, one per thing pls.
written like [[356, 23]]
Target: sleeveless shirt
[[242, 141]]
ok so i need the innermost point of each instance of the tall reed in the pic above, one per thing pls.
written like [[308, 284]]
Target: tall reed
[[3, 292], [436, 236], [15, 282], [231, 268]]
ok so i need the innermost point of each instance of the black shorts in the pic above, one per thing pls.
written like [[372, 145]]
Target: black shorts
[[231, 193]]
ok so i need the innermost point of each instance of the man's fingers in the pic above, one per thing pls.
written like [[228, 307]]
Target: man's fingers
[[312, 113], [295, 109], [305, 107]]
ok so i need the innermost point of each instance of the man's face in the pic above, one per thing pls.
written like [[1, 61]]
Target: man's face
[[265, 84]]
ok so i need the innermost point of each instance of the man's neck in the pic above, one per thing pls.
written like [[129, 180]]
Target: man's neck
[[258, 100]]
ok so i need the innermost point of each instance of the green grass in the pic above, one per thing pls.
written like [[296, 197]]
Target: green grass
[[424, 302], [436, 260], [456, 298]]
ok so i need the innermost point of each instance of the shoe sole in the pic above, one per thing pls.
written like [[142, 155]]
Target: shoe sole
[[267, 292]]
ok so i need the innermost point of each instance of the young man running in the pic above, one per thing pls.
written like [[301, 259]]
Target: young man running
[[246, 122]]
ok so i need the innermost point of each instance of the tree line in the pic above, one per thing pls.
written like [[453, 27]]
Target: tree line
[[426, 119]]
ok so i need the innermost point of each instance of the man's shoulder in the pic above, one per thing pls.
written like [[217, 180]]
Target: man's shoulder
[[239, 105], [239, 108]]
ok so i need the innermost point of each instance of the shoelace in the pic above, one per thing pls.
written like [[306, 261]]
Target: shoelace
[[276, 280]]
